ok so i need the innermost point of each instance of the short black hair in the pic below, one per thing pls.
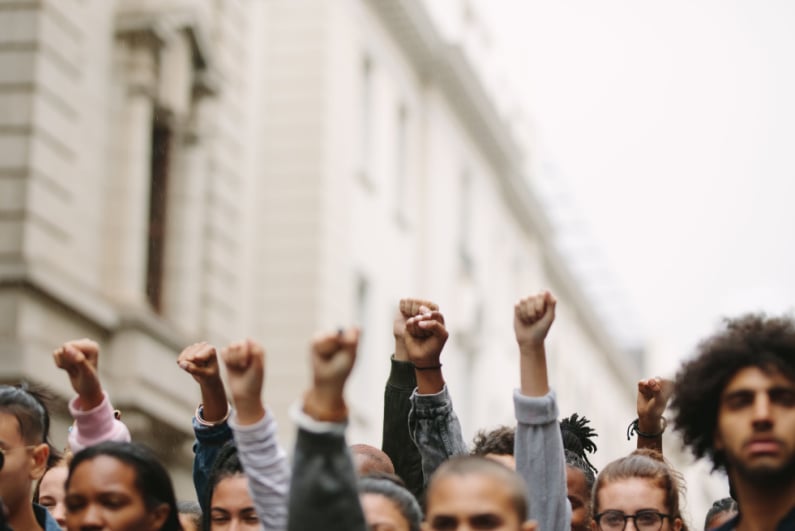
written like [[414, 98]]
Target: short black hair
[[29, 404], [751, 340], [151, 478], [578, 441]]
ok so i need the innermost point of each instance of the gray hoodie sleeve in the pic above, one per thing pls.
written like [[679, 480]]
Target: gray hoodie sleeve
[[538, 449]]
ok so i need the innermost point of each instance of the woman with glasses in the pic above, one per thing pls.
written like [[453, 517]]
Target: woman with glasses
[[639, 488]]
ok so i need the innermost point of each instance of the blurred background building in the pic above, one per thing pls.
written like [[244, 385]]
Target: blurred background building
[[177, 170]]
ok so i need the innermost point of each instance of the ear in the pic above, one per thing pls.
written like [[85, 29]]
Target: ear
[[593, 524], [158, 516], [677, 524], [39, 456], [530, 525]]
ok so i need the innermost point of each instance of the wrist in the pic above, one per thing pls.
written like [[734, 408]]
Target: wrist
[[651, 424], [324, 406]]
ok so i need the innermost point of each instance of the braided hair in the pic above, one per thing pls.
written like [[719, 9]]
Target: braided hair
[[578, 441]]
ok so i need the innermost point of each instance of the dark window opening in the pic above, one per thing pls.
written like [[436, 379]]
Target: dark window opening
[[162, 137]]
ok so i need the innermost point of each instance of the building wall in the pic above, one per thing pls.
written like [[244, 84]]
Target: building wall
[[327, 159]]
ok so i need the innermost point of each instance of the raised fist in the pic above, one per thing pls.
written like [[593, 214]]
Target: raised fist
[[425, 338], [200, 361], [79, 358], [532, 318]]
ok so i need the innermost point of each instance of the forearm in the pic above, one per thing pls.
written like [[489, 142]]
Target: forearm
[[323, 491], [265, 465], [435, 430], [538, 449], [396, 440], [533, 370], [95, 425], [214, 404], [209, 440]]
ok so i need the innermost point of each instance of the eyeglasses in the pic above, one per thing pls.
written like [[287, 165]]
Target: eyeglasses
[[643, 520], [4, 451]]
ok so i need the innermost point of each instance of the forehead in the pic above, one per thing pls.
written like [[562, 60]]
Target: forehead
[[103, 472], [470, 494], [231, 493], [756, 378], [631, 495]]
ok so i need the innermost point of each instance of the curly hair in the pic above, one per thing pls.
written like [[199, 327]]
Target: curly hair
[[498, 441], [752, 340]]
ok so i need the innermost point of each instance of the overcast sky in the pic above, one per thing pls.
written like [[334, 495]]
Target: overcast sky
[[674, 125]]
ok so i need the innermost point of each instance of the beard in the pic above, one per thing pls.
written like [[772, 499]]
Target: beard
[[762, 475]]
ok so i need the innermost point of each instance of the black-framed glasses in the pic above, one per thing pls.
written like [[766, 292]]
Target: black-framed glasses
[[617, 521]]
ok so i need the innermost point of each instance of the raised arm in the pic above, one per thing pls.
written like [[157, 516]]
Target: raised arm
[[538, 445], [263, 460], [323, 493], [95, 421], [396, 441], [433, 422], [653, 396], [210, 426]]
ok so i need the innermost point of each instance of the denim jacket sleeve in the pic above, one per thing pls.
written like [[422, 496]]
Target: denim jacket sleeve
[[396, 441], [209, 439], [435, 430], [538, 449]]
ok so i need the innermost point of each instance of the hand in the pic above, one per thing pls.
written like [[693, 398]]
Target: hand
[[80, 358], [333, 356], [653, 396], [200, 361], [406, 309], [425, 338], [532, 318], [245, 369]]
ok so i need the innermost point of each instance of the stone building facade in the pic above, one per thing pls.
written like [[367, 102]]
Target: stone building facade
[[175, 170]]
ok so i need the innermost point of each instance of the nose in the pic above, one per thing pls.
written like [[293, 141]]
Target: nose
[[762, 412], [91, 518], [630, 522], [59, 513]]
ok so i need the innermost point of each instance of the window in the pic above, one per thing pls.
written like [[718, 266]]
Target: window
[[401, 163], [162, 139], [366, 128]]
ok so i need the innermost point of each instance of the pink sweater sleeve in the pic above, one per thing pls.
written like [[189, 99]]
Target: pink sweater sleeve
[[95, 425]]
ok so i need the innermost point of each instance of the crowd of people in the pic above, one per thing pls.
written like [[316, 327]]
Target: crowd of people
[[733, 402]]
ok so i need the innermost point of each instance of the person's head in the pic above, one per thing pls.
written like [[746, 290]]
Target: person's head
[[190, 515], [24, 428], [228, 502], [51, 489], [734, 402], [721, 512], [369, 459], [119, 487], [640, 485], [580, 473], [496, 444], [388, 505], [475, 491]]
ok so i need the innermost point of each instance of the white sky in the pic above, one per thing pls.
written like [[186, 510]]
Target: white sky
[[674, 125]]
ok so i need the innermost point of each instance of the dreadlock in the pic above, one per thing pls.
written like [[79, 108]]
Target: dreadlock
[[577, 440]]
